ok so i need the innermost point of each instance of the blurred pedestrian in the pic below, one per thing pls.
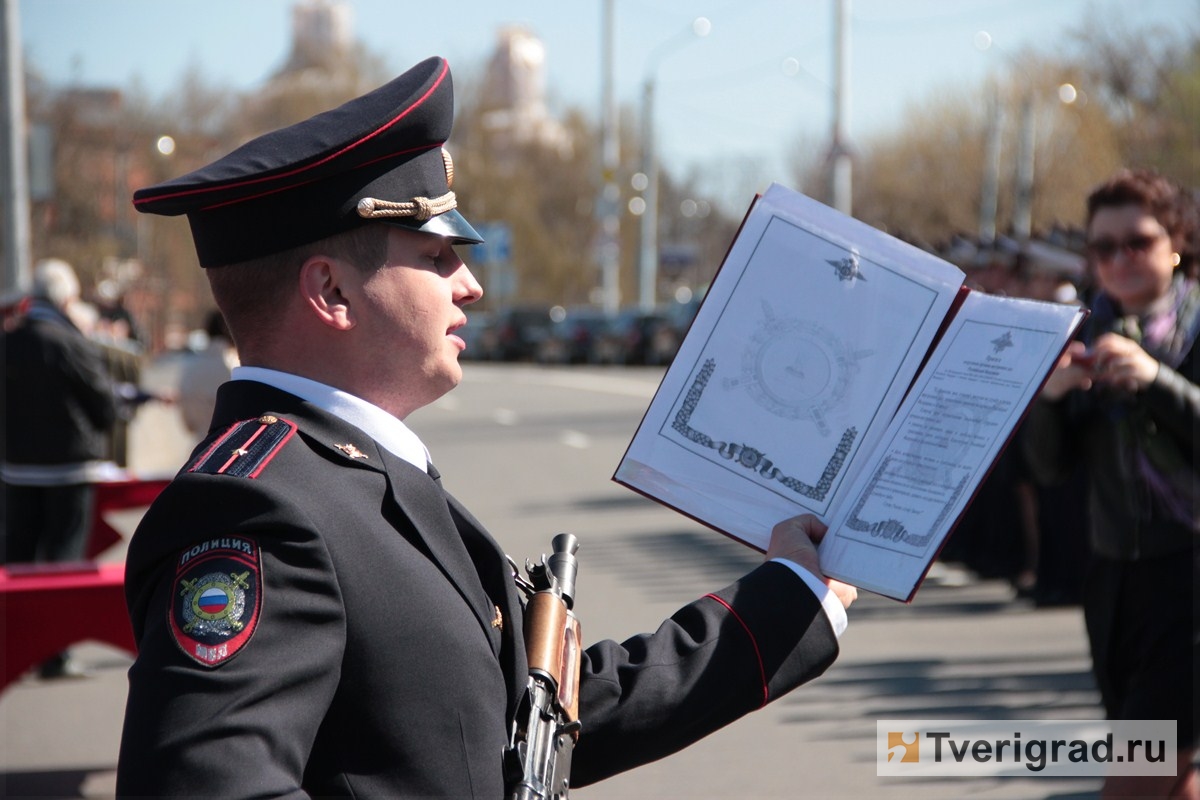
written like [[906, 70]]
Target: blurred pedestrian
[[202, 372], [60, 408], [118, 321], [1124, 402], [116, 333]]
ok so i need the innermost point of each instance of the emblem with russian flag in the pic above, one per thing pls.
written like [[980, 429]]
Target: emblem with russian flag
[[216, 599], [213, 601]]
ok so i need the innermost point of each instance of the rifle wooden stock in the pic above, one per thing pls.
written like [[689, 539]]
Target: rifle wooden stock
[[552, 645]]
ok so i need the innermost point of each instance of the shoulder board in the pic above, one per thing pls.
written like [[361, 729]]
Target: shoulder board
[[245, 448]]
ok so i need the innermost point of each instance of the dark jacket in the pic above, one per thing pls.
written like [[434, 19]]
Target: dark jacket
[[372, 667], [59, 400], [1140, 452]]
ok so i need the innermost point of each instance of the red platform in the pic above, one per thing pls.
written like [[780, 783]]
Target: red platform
[[46, 608], [117, 496]]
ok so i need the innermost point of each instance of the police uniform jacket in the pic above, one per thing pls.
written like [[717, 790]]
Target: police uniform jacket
[[316, 617]]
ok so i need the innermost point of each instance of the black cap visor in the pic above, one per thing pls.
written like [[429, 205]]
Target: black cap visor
[[449, 223]]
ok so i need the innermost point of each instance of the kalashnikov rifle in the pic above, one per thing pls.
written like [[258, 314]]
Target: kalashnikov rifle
[[547, 724]]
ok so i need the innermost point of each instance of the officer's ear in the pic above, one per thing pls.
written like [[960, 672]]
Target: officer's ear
[[326, 286]]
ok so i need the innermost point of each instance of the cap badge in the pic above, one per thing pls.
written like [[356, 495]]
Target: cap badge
[[351, 450], [449, 164]]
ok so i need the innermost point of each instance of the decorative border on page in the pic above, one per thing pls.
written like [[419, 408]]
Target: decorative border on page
[[752, 458], [892, 530]]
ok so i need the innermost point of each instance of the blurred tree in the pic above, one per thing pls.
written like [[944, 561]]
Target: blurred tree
[[1109, 100], [926, 183], [805, 159], [197, 111], [301, 89], [542, 182], [694, 230], [913, 183], [1148, 82]]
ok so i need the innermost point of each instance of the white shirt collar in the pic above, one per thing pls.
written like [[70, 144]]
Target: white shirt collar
[[388, 432]]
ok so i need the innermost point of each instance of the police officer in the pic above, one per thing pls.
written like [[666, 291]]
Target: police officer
[[314, 614]]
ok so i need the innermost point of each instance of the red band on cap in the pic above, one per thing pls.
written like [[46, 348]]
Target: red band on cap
[[298, 170], [291, 186]]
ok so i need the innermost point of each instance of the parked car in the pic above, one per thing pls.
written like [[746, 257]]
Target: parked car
[[649, 337], [575, 338], [679, 318], [516, 334], [474, 333], [635, 336]]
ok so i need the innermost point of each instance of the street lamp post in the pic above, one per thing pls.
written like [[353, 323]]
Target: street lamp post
[[14, 170], [840, 162], [610, 194], [648, 254]]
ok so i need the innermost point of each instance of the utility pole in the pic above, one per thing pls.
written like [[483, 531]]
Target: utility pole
[[840, 162], [14, 168], [1023, 207], [610, 197], [991, 171], [648, 249]]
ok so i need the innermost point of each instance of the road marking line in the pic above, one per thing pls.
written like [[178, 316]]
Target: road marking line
[[580, 441]]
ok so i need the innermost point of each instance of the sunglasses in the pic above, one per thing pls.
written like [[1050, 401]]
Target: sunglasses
[[1106, 249]]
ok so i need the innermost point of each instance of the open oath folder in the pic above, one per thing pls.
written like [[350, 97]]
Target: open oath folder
[[835, 370]]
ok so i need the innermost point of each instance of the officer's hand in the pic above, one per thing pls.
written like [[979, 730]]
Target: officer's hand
[[846, 594], [796, 539]]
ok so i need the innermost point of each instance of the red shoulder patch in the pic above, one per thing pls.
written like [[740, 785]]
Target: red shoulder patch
[[245, 448], [216, 599]]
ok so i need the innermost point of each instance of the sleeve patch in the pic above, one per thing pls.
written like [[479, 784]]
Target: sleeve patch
[[216, 599], [246, 448]]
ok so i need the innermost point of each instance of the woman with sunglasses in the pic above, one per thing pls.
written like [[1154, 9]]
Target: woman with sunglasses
[[1124, 402]]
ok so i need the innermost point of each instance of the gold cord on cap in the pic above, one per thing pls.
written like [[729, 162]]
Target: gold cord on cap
[[421, 208]]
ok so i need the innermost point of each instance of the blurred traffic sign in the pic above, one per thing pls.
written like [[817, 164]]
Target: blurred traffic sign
[[497, 243]]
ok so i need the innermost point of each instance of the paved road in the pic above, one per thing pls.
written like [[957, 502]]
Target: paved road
[[532, 451]]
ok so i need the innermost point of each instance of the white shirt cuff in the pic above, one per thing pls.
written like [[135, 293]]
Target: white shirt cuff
[[829, 600]]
